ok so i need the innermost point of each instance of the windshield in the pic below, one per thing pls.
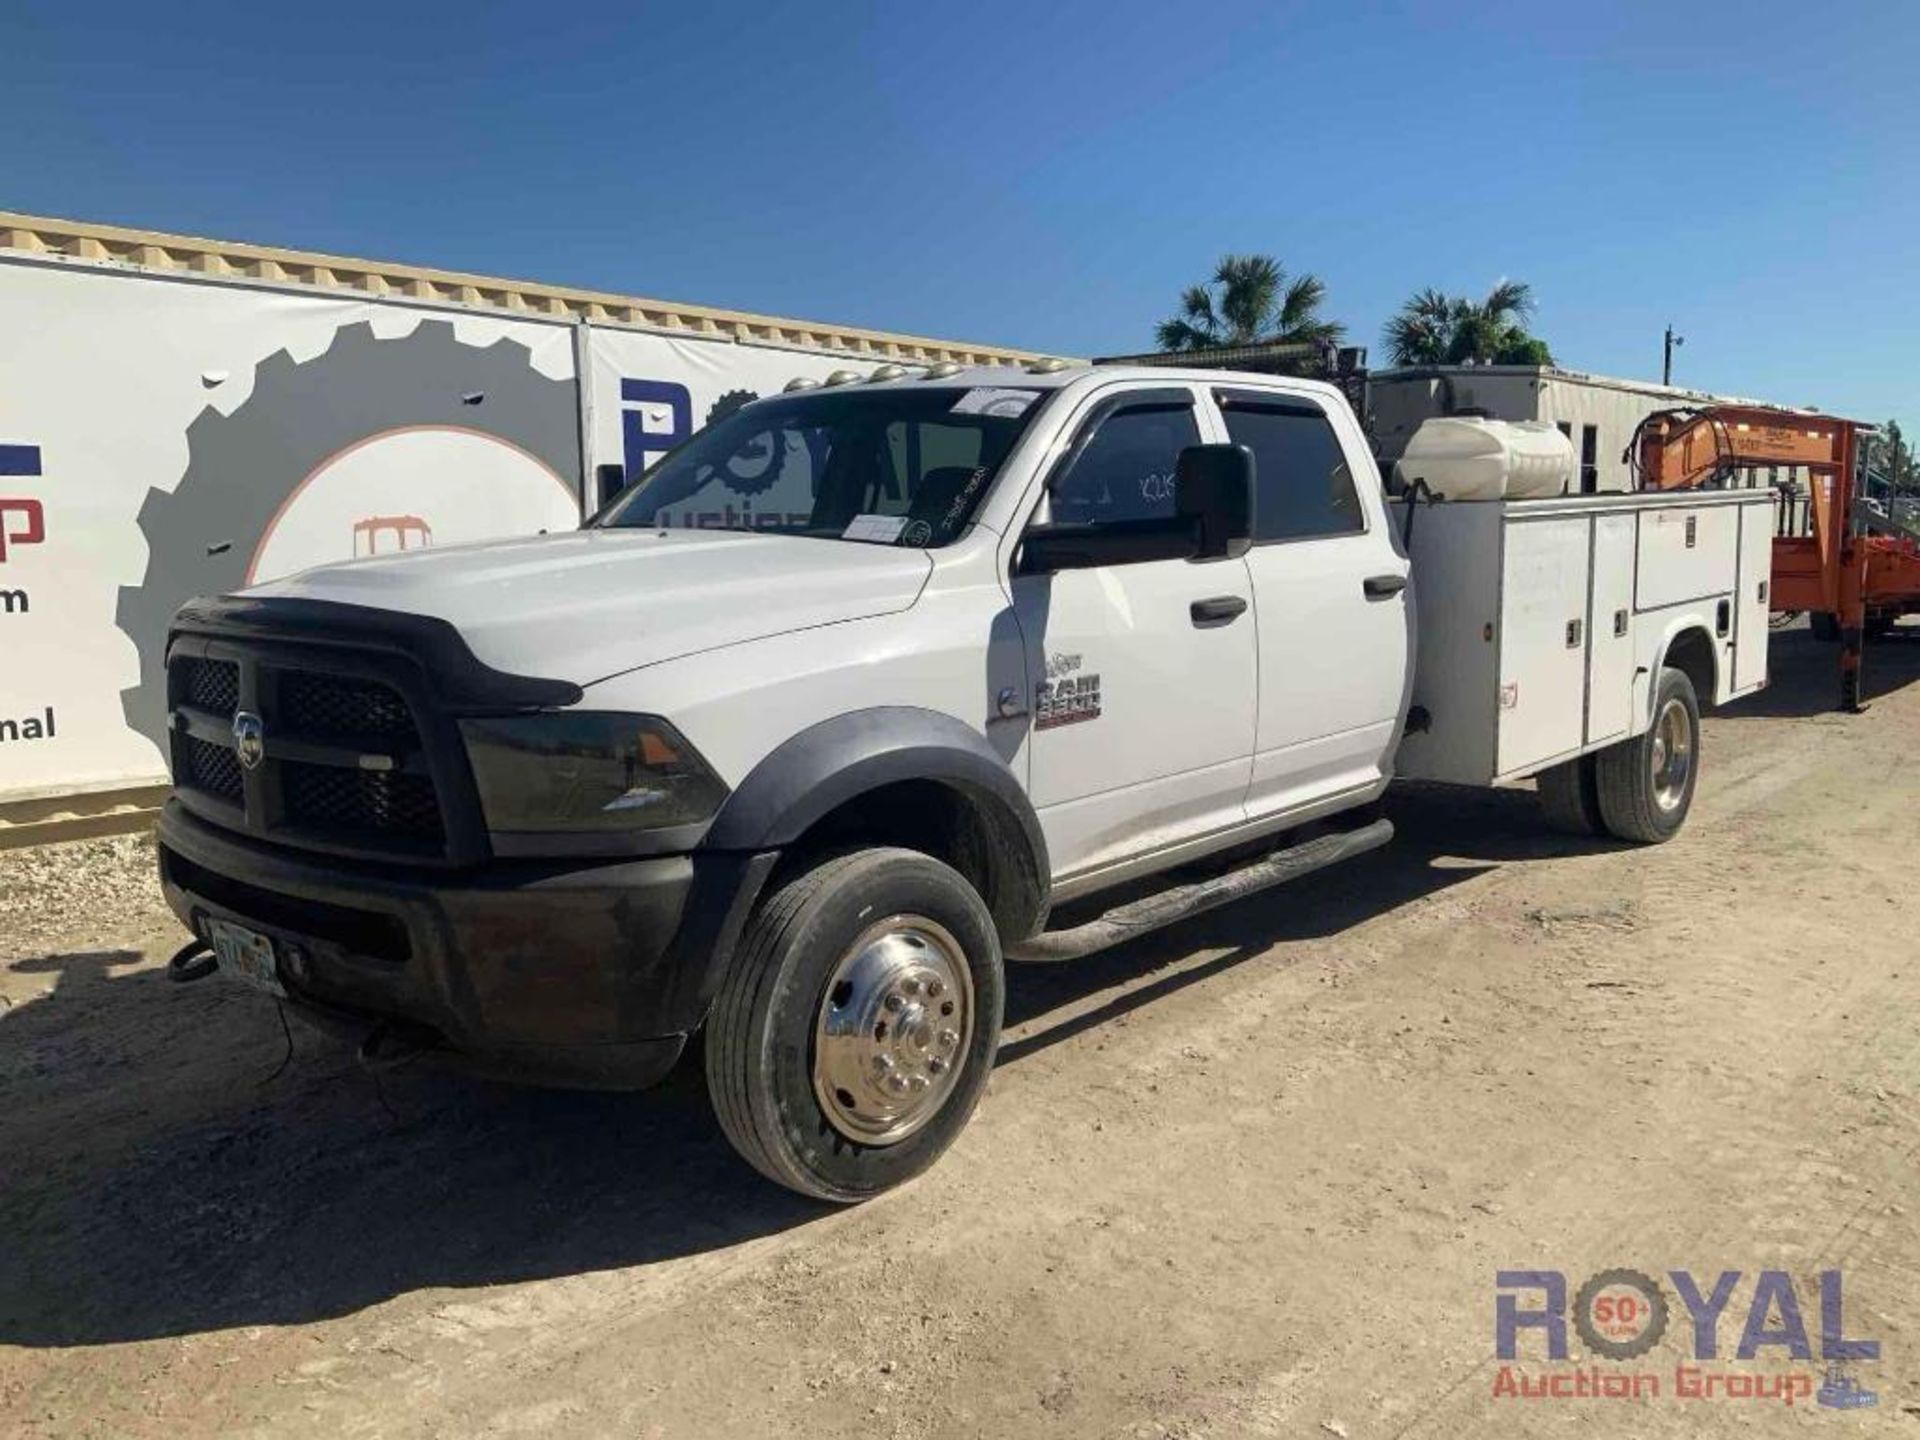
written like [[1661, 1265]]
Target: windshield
[[900, 466]]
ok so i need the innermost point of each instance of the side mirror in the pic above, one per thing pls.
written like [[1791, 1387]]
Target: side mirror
[[1045, 549], [1213, 491]]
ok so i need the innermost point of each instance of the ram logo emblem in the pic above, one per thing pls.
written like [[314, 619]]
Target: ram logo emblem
[[249, 739]]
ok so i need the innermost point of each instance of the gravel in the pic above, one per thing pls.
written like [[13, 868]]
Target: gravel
[[71, 896]]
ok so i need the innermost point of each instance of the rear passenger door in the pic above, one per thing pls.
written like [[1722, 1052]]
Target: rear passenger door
[[1330, 602]]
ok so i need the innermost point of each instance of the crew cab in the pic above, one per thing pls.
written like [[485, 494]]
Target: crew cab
[[846, 700]]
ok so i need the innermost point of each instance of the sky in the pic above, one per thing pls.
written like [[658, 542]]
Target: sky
[[1047, 175]]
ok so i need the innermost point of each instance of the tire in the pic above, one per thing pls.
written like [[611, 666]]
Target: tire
[[1824, 626], [1570, 797], [1646, 784], [796, 1075]]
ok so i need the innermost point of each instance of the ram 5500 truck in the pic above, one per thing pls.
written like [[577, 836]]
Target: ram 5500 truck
[[869, 686]]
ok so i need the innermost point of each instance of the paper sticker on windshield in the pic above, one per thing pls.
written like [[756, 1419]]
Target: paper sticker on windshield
[[1005, 404], [880, 529]]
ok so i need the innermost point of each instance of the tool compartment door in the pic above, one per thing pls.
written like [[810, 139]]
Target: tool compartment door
[[1686, 553], [1610, 661], [1543, 649], [1750, 628]]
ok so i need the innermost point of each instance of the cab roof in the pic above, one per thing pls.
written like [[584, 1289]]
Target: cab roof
[[1020, 377]]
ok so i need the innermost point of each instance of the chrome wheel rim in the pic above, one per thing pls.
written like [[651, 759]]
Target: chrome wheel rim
[[895, 1020], [1672, 755]]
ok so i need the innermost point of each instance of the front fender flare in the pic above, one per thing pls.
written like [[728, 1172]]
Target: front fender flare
[[828, 764]]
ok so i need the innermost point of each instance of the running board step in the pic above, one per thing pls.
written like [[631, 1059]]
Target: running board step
[[1185, 901]]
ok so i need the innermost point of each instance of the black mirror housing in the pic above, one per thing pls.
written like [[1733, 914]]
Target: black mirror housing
[[1213, 489], [1045, 549]]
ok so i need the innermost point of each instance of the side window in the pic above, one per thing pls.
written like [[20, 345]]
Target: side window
[[1124, 470], [1305, 488]]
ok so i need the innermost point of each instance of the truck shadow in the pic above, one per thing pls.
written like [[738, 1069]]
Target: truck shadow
[[1442, 837], [1803, 674], [164, 1176], [161, 1180]]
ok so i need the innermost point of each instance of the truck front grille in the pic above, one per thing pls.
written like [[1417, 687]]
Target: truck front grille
[[318, 704], [361, 802], [213, 768], [346, 766], [212, 685]]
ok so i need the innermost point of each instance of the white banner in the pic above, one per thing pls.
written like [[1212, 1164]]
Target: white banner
[[168, 439]]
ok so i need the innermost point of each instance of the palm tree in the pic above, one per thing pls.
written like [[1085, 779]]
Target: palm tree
[[1422, 333], [1438, 329], [1255, 304]]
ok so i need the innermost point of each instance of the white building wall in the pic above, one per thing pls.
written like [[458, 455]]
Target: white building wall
[[1598, 414]]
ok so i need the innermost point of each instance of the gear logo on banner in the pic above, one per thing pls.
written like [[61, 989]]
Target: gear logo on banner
[[372, 447]]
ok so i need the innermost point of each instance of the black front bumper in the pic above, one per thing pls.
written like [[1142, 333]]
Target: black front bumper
[[571, 974]]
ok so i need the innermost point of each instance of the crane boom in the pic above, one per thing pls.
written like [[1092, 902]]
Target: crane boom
[[1686, 449]]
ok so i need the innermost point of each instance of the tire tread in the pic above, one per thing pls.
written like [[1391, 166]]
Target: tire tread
[[1568, 798], [730, 1029], [738, 1056], [1624, 785]]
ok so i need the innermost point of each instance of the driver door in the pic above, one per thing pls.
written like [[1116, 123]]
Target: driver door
[[1142, 678]]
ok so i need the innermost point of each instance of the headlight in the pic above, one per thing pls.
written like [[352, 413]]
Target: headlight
[[587, 771]]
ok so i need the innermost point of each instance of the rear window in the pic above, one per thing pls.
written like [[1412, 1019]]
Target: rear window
[[1305, 488]]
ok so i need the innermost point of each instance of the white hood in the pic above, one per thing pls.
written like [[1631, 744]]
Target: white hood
[[591, 604]]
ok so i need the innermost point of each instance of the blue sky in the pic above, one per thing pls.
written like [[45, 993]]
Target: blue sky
[[1047, 175]]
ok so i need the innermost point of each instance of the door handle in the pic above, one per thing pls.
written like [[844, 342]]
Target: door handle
[[1379, 587], [1220, 610]]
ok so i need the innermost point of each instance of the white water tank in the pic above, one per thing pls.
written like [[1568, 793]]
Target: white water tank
[[1465, 457]]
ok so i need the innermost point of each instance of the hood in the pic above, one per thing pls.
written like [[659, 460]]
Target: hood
[[590, 604]]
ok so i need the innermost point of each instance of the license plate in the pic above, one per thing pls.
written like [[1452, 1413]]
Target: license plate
[[246, 955]]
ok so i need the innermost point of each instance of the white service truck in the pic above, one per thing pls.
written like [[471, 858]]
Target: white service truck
[[845, 700]]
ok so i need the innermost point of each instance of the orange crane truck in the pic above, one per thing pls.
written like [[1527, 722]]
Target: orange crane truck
[[1853, 572]]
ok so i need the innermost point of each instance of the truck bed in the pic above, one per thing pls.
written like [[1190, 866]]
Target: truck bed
[[1540, 624]]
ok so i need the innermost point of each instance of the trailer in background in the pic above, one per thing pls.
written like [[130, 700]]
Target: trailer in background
[[1597, 413], [1853, 569]]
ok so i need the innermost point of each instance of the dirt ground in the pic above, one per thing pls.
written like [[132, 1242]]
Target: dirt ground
[[1250, 1176]]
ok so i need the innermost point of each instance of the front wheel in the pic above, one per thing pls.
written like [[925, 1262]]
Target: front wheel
[[1645, 785], [856, 1025]]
